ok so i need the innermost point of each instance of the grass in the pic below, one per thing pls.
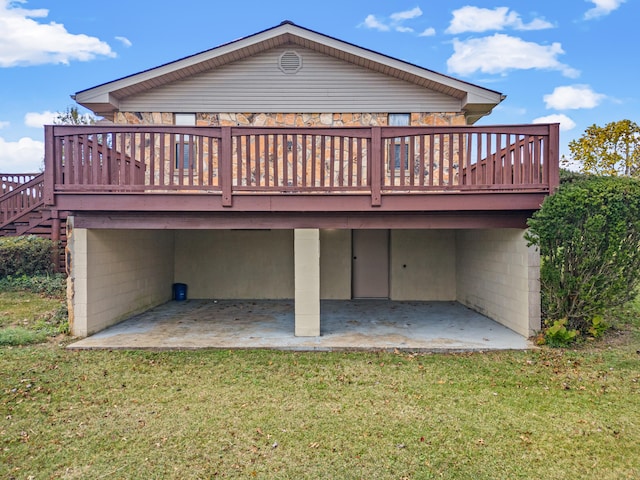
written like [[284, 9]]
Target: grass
[[31, 310], [544, 414], [262, 414]]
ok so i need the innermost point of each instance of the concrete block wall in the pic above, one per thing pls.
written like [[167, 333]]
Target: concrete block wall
[[115, 274], [498, 276], [422, 265], [235, 264], [253, 264], [335, 264]]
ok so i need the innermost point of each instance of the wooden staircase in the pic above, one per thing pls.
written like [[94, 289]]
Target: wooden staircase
[[23, 212]]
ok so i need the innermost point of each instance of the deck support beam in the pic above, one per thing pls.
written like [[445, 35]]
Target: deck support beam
[[307, 282], [55, 238]]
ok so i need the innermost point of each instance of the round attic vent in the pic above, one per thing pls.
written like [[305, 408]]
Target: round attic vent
[[290, 62]]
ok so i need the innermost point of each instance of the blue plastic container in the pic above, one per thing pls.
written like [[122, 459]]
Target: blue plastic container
[[180, 291]]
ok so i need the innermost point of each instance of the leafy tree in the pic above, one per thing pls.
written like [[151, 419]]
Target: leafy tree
[[610, 150], [71, 116], [588, 234]]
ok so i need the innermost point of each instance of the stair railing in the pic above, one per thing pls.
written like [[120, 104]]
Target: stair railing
[[22, 200]]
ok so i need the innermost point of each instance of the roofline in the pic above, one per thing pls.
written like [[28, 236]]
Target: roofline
[[469, 93], [184, 58]]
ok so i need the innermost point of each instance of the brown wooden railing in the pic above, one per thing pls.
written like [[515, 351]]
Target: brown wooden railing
[[10, 181], [23, 199], [241, 160]]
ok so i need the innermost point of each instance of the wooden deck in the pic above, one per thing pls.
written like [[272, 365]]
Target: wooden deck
[[225, 177]]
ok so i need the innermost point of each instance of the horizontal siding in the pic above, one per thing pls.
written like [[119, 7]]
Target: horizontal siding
[[324, 84]]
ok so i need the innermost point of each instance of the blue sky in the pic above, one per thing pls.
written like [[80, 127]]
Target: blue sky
[[571, 61]]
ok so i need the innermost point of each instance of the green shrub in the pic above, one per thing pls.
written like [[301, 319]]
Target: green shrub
[[569, 176], [28, 255], [598, 326], [588, 234], [557, 334], [51, 285]]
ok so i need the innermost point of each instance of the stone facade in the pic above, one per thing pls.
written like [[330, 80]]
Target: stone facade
[[349, 173], [290, 119]]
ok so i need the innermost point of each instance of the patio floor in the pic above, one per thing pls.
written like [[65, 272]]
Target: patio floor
[[344, 325]]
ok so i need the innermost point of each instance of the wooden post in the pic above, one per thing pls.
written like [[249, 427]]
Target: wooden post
[[553, 157], [226, 179], [49, 165], [55, 238], [375, 164]]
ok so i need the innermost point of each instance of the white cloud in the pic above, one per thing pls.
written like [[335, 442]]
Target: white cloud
[[428, 32], [475, 19], [38, 120], [511, 110], [395, 21], [602, 7], [573, 97], [372, 22], [565, 122], [24, 156], [406, 15], [125, 41], [24, 41], [4, 124], [500, 53]]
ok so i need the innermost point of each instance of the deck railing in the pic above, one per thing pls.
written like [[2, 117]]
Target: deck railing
[[10, 181], [22, 199], [241, 160]]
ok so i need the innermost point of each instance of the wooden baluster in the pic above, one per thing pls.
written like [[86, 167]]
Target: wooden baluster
[[359, 163], [313, 160], [528, 145], [286, 152], [422, 159], [200, 155], [225, 167], [375, 166], [172, 158], [294, 161], [323, 167], [163, 149]]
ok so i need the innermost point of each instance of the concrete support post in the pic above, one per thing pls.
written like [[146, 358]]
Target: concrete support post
[[77, 280], [535, 314], [307, 282]]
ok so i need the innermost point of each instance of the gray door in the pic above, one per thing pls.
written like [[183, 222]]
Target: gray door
[[370, 264]]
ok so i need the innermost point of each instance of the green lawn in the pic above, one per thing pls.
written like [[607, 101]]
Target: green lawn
[[544, 414], [27, 317]]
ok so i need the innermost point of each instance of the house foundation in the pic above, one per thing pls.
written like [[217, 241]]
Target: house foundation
[[498, 275], [115, 274]]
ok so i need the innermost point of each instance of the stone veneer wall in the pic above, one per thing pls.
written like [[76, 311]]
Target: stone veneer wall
[[326, 120], [290, 119]]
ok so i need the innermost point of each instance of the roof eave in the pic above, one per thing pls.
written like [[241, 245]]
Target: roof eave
[[477, 107], [105, 98]]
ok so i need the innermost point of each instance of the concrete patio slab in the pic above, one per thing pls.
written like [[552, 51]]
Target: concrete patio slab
[[345, 325]]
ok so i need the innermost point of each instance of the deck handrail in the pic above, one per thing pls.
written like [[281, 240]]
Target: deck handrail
[[238, 160], [22, 200], [10, 181]]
